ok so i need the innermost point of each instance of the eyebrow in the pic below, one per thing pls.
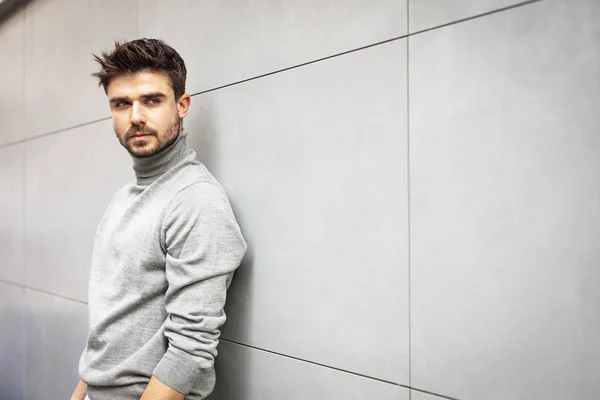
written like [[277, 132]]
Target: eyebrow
[[153, 95]]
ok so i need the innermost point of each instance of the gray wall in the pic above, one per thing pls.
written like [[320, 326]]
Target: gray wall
[[423, 212]]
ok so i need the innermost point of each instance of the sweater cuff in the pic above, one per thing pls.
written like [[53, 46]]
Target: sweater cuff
[[178, 370]]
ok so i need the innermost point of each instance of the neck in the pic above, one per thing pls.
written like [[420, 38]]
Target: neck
[[148, 169]]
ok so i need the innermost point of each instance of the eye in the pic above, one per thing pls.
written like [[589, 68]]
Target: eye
[[153, 100], [120, 104]]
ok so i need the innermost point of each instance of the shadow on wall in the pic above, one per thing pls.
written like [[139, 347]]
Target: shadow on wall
[[54, 347], [40, 346], [232, 372], [232, 378], [12, 353]]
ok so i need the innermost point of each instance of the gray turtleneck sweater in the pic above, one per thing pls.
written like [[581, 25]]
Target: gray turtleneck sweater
[[164, 255]]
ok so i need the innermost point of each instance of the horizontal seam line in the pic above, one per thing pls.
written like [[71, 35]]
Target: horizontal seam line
[[484, 14], [21, 285], [336, 368], [29, 139], [315, 363], [302, 64]]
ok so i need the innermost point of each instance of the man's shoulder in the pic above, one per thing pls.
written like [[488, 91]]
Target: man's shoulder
[[196, 184]]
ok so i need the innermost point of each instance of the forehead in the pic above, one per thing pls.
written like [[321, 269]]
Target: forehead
[[134, 85]]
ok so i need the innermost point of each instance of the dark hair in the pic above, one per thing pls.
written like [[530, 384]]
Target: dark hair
[[142, 55]]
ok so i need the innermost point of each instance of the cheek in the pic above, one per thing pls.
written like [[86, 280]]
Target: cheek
[[120, 124], [161, 118]]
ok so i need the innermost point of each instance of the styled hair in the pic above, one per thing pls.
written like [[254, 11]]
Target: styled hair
[[142, 55]]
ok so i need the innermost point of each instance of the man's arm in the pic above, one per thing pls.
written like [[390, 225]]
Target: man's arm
[[156, 390], [80, 391], [204, 246]]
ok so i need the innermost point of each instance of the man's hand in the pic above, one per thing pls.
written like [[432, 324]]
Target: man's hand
[[156, 390], [80, 391]]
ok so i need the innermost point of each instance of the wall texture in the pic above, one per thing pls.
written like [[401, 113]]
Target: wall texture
[[418, 182]]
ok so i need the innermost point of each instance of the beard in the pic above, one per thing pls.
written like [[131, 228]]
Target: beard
[[152, 145]]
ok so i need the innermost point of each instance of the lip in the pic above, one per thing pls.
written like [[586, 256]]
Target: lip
[[137, 135]]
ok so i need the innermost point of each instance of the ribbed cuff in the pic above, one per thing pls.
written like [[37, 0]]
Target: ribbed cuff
[[178, 370]]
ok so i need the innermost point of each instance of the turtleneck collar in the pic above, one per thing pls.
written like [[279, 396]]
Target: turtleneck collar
[[148, 169]]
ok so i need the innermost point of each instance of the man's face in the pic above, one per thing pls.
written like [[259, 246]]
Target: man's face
[[146, 115]]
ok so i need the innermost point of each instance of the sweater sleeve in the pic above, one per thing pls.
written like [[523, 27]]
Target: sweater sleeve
[[204, 246]]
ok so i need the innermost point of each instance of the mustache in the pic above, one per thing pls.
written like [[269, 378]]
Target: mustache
[[138, 128]]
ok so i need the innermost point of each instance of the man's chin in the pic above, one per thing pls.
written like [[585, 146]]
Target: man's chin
[[142, 152]]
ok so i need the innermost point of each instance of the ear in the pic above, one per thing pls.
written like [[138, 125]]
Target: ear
[[183, 105]]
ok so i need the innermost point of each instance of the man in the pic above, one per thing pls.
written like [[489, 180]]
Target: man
[[165, 250]]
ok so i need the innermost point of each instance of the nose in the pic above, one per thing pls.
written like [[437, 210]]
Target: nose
[[137, 115]]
